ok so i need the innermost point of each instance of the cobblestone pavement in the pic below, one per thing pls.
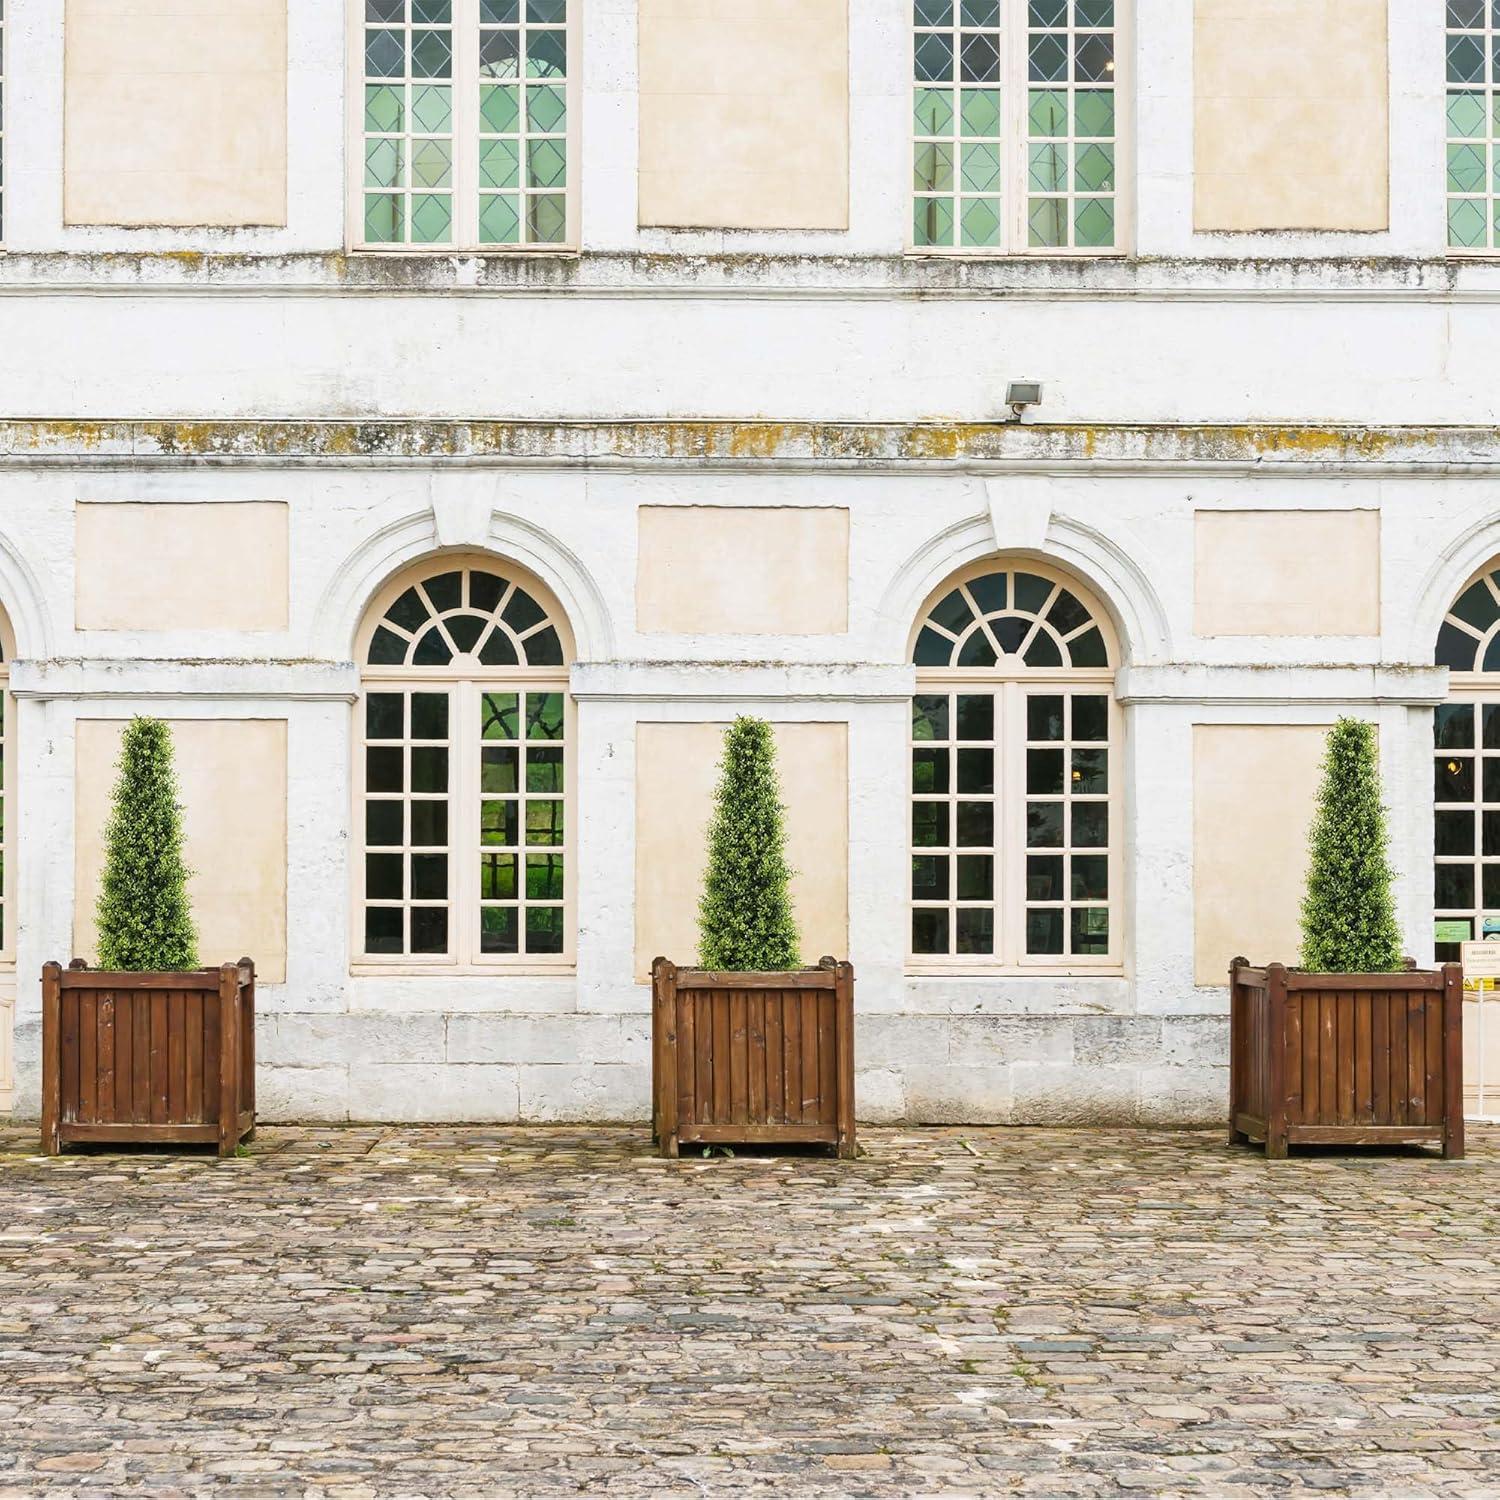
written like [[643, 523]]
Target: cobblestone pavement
[[490, 1311]]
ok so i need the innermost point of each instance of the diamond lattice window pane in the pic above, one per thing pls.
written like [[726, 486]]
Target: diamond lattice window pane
[[1465, 113], [1094, 112], [979, 13], [432, 12], [1047, 113], [979, 59], [1094, 221], [546, 164], [546, 54], [1466, 223], [385, 54], [431, 219], [499, 12], [432, 108], [385, 10], [1466, 169], [499, 220], [547, 107], [933, 12], [1049, 168], [546, 12], [981, 169], [1462, 13], [934, 111], [431, 54], [384, 224], [934, 59], [383, 163], [383, 107], [431, 164], [1093, 58], [980, 112], [546, 220], [1465, 59], [1047, 221], [980, 224], [499, 164], [498, 108], [1048, 58], [1094, 168], [1048, 12], [499, 54], [1093, 12], [933, 222], [934, 167]]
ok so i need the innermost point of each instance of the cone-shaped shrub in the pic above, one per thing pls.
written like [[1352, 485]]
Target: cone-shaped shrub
[[745, 917], [1349, 915], [144, 916]]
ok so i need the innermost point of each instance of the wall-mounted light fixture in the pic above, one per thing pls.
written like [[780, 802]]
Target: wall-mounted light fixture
[[1020, 394]]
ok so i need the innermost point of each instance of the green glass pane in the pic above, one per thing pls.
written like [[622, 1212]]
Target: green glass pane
[[1465, 59], [1094, 168], [1465, 223], [1047, 12], [933, 167], [1465, 169], [499, 220], [934, 58], [1094, 225], [979, 13], [544, 823], [1049, 168], [1093, 12], [431, 165], [546, 54], [499, 164], [383, 163], [497, 876], [385, 54], [383, 107], [546, 12], [1466, 113], [544, 877], [934, 111], [933, 12], [432, 12], [546, 219], [1047, 58], [432, 108], [1047, 114], [498, 107], [981, 169], [1094, 112], [547, 107], [501, 716], [1047, 221], [980, 222], [431, 219], [546, 164], [384, 224], [981, 112], [933, 222], [431, 54]]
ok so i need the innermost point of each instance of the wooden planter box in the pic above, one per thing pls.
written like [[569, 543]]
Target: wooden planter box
[[1346, 1059], [148, 1058], [753, 1059]]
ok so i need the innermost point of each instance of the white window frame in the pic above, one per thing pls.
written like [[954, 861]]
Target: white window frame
[[465, 137], [1011, 683], [1014, 156], [7, 802], [1489, 142], [466, 683]]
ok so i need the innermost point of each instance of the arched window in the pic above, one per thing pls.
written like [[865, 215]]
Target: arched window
[[1466, 770], [1015, 823], [464, 773]]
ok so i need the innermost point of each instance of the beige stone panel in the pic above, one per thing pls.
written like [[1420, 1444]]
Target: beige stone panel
[[1254, 791], [744, 114], [1286, 572], [1481, 1045], [742, 570], [676, 770], [232, 776], [165, 565], [1291, 115], [175, 112]]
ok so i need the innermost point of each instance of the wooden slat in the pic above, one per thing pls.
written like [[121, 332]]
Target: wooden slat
[[1328, 1059], [1416, 1069], [739, 1058], [1380, 1057], [1295, 1091], [211, 1029], [149, 1134], [1312, 1052], [206, 981], [811, 1102], [761, 1134], [193, 1058], [796, 979], [755, 1027], [1432, 1061], [1364, 1086], [1364, 1135], [687, 1059], [159, 1115], [105, 1104], [176, 1079], [1415, 979], [775, 1062], [140, 1077], [828, 1060], [703, 1084], [69, 1057], [124, 1055], [719, 1110], [791, 1052], [1396, 1007], [1344, 1005], [87, 1005]]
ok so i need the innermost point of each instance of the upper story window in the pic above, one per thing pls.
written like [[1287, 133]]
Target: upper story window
[[465, 123], [1017, 132], [1474, 125], [2, 121]]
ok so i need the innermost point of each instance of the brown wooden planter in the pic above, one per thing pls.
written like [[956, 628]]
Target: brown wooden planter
[[753, 1059], [148, 1058], [1346, 1059]]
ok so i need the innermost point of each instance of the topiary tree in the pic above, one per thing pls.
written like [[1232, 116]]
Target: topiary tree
[[144, 916], [1349, 915], [745, 917]]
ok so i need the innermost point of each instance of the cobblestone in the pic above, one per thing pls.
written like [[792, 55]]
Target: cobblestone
[[549, 1311]]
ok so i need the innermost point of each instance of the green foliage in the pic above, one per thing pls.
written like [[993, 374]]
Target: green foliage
[[745, 918], [1349, 915], [145, 918]]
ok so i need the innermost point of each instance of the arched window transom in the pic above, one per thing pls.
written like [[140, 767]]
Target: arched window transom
[[464, 776], [1015, 814]]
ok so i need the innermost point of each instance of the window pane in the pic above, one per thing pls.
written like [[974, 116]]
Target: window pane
[[1471, 179], [929, 930], [929, 877]]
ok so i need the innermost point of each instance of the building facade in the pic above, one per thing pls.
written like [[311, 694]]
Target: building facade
[[449, 414]]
